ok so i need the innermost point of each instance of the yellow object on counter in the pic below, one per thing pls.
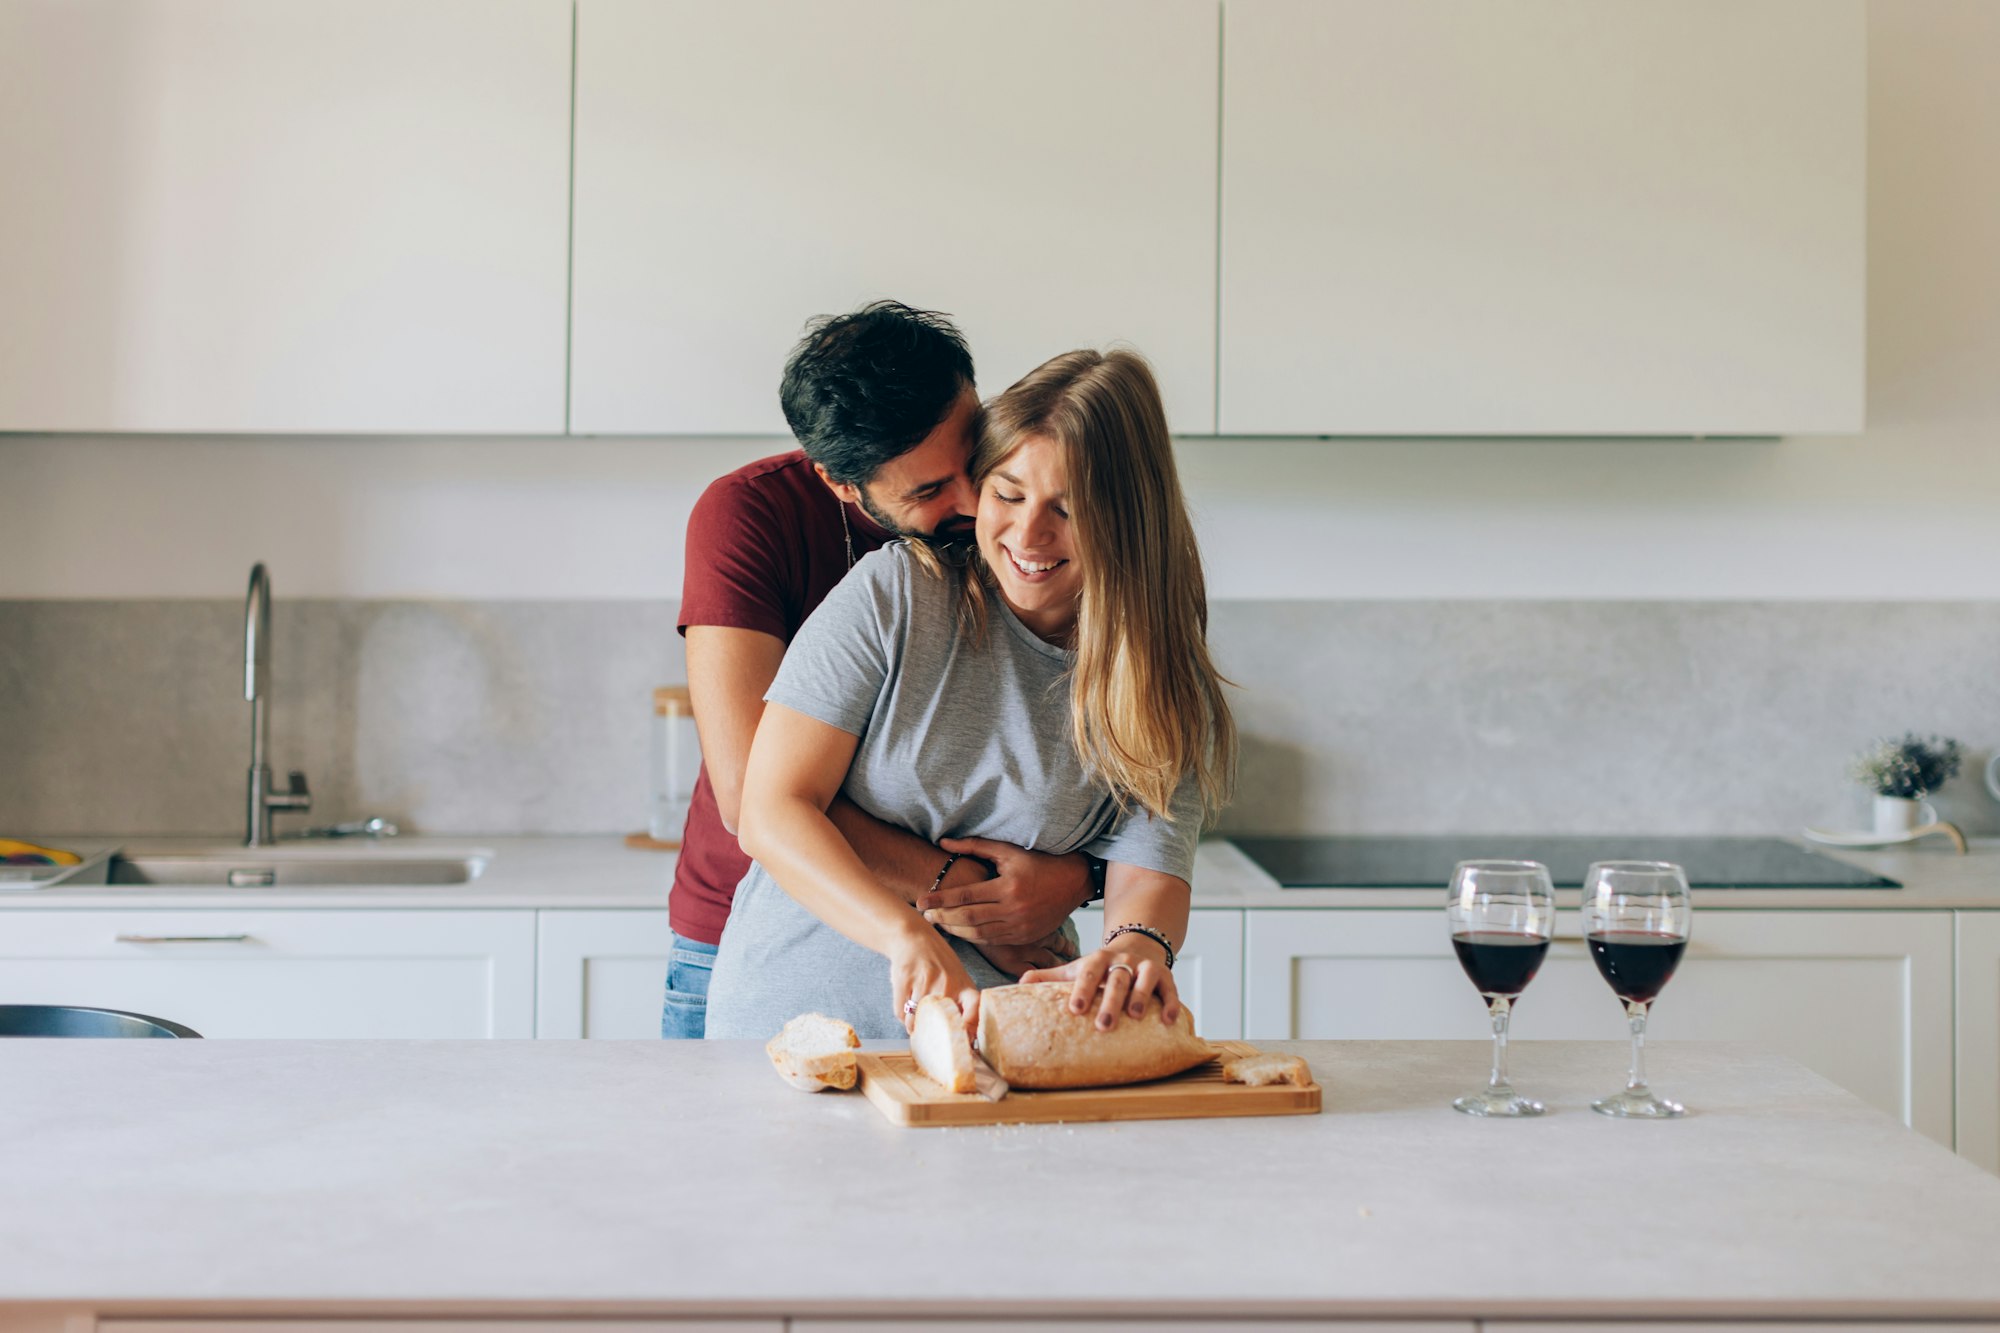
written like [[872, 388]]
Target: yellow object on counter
[[56, 856]]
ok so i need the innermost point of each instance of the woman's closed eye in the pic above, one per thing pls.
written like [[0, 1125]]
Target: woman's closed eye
[[1060, 511]]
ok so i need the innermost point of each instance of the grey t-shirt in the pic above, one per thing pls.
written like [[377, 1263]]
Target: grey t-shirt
[[962, 736], [957, 737]]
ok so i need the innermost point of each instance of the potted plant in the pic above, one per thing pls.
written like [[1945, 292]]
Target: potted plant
[[1901, 773]]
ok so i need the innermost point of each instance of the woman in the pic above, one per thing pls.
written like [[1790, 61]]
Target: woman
[[1052, 688]]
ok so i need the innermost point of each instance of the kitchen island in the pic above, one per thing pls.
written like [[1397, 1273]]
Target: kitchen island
[[685, 1181]]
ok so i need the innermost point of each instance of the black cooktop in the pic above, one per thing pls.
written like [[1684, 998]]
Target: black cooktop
[[1426, 862]]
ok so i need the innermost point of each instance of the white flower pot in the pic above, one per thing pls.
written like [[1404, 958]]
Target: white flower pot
[[1895, 815]]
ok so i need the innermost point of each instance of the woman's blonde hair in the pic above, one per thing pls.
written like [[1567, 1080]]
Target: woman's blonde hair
[[1146, 703]]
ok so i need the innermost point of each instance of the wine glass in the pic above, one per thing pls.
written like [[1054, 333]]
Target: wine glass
[[1502, 916], [1635, 919]]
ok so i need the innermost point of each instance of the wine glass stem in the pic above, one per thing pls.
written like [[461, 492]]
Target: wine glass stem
[[1502, 1009], [1635, 1013]]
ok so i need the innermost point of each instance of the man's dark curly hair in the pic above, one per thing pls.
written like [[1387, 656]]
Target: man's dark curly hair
[[863, 388]]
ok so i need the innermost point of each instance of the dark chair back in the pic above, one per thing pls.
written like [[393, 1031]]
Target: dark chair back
[[66, 1020]]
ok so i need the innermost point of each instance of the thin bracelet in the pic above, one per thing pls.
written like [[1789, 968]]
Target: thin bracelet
[[949, 862], [1134, 928]]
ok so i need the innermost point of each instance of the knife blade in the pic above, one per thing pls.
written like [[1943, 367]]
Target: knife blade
[[986, 1079]]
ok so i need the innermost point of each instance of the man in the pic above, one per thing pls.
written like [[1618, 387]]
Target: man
[[882, 404]]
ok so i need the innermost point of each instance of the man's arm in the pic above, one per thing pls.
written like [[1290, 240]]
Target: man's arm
[[729, 670]]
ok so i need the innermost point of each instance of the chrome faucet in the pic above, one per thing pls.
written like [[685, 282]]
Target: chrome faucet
[[256, 670]]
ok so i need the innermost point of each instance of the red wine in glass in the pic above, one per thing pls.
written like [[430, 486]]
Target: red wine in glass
[[1637, 963], [1635, 918], [1500, 962], [1502, 915]]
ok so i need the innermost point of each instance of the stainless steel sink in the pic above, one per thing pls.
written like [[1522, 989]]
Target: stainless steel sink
[[290, 867]]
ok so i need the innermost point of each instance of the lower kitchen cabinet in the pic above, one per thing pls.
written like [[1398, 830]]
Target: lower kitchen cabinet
[[437, 1326], [1979, 1037], [1731, 1325], [601, 973], [1124, 1326], [1208, 971], [283, 973], [1863, 998]]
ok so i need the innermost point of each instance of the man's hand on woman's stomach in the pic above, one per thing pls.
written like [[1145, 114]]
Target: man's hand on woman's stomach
[[1013, 960], [1028, 898]]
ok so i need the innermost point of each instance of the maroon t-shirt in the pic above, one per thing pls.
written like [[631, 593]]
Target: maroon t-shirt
[[764, 547]]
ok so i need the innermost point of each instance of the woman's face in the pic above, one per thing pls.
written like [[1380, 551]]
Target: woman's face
[[1024, 534]]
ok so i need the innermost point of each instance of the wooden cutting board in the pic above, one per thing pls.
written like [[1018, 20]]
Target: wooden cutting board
[[892, 1081]]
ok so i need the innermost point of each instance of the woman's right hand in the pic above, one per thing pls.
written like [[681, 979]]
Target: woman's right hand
[[1119, 978], [921, 963]]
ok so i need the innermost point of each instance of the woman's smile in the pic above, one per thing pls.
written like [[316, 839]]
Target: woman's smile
[[1024, 534], [1032, 571]]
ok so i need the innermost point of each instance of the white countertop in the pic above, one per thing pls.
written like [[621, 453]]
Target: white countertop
[[524, 873], [1934, 878], [600, 872], [683, 1177]]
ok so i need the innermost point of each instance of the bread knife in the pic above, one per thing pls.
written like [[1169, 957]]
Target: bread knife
[[986, 1080]]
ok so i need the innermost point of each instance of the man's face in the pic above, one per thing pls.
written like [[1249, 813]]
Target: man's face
[[925, 492]]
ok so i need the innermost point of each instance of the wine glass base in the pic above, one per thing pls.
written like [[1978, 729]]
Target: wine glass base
[[1498, 1102], [1638, 1104]]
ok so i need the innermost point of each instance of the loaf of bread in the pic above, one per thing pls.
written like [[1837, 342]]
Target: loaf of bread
[[814, 1053], [1261, 1070], [939, 1043], [1028, 1034]]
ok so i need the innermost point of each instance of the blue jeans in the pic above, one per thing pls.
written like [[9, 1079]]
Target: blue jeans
[[689, 965]]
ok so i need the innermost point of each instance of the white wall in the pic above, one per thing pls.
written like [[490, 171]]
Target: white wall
[[1909, 510]]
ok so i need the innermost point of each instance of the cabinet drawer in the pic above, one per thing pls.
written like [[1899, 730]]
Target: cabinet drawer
[[264, 973]]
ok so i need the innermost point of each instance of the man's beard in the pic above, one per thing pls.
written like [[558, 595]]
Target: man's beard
[[953, 532]]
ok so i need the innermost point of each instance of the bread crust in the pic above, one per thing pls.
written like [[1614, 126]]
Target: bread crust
[[815, 1071], [1028, 1035], [1262, 1070]]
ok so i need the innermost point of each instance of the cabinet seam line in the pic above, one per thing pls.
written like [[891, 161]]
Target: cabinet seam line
[[569, 238]]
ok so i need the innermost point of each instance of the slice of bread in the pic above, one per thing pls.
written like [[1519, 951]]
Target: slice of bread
[[1261, 1070], [938, 1041], [814, 1053], [1028, 1035]]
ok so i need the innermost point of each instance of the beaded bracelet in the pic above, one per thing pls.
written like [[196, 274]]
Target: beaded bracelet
[[949, 862], [1134, 928]]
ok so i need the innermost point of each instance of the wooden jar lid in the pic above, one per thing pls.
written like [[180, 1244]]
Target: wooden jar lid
[[672, 701]]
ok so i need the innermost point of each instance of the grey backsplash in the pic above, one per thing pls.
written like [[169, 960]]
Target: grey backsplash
[[127, 717]]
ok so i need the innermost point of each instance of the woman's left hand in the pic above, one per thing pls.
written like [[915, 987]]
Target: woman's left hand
[[1119, 976]]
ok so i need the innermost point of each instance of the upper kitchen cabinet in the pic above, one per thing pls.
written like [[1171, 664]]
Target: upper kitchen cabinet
[[1542, 217], [1042, 170], [316, 216]]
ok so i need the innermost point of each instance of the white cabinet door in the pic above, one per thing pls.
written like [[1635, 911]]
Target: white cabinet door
[[1209, 971], [1542, 217], [266, 973], [1044, 171], [1125, 1326], [364, 1325], [1727, 1326], [1863, 998], [601, 974], [1979, 1037], [232, 215]]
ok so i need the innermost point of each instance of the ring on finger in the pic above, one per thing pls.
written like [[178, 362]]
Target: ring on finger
[[910, 1005], [1121, 967]]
